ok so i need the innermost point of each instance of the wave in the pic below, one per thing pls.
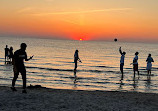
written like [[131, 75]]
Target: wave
[[71, 70], [104, 66], [95, 71]]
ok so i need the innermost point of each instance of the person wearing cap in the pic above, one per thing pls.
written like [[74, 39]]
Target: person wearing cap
[[76, 58], [149, 61], [19, 67], [135, 63], [122, 60]]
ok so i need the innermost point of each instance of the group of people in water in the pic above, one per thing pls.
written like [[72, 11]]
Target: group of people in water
[[149, 61], [8, 54], [17, 59]]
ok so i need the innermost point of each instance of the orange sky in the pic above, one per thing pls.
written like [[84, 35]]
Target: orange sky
[[128, 20]]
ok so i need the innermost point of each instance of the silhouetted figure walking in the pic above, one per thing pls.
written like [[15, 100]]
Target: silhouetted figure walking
[[76, 58], [18, 66], [6, 53], [135, 63], [122, 60], [149, 61], [11, 54]]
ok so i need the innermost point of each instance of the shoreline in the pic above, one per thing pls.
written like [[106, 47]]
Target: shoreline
[[47, 99]]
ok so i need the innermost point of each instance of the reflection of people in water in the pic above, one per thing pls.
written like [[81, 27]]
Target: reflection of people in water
[[121, 83], [122, 60], [149, 61], [135, 82], [75, 76], [75, 79], [135, 63], [148, 82], [76, 58]]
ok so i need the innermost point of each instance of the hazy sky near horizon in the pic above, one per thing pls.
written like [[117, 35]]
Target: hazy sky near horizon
[[129, 20]]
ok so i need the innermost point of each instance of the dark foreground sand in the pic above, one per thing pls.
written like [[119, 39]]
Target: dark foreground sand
[[43, 99]]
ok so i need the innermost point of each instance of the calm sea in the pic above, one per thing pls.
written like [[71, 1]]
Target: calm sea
[[52, 65]]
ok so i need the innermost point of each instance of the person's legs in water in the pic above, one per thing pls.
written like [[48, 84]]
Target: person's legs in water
[[135, 68], [121, 67], [23, 73], [75, 65], [150, 72]]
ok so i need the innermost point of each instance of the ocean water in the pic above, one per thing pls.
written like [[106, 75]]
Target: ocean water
[[52, 65]]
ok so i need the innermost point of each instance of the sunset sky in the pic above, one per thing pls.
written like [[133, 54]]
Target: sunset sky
[[127, 20]]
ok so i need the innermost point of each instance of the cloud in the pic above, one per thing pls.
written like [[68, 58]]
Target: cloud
[[24, 10], [81, 12], [50, 0]]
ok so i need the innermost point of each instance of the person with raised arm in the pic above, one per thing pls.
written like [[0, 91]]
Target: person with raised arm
[[122, 60]]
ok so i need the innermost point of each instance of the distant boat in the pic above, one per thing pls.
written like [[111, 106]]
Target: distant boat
[[115, 40]]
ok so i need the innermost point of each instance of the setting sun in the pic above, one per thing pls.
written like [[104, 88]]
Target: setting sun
[[73, 19]]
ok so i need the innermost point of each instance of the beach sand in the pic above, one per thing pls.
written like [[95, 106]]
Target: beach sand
[[44, 99]]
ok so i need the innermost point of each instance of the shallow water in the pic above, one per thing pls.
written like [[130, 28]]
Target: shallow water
[[52, 65]]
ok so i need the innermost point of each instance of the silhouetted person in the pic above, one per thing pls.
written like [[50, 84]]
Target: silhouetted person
[[76, 58], [6, 53], [149, 61], [18, 66], [122, 60], [135, 63], [11, 54]]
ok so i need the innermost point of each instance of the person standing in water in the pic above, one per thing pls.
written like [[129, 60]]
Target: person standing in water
[[122, 60], [135, 63], [76, 58], [18, 66], [6, 53], [11, 54], [149, 61]]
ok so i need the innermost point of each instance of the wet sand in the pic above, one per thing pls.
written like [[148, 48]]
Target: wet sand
[[44, 99]]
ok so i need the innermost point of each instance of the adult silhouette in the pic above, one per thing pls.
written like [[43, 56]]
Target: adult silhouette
[[6, 53], [76, 58], [19, 67]]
